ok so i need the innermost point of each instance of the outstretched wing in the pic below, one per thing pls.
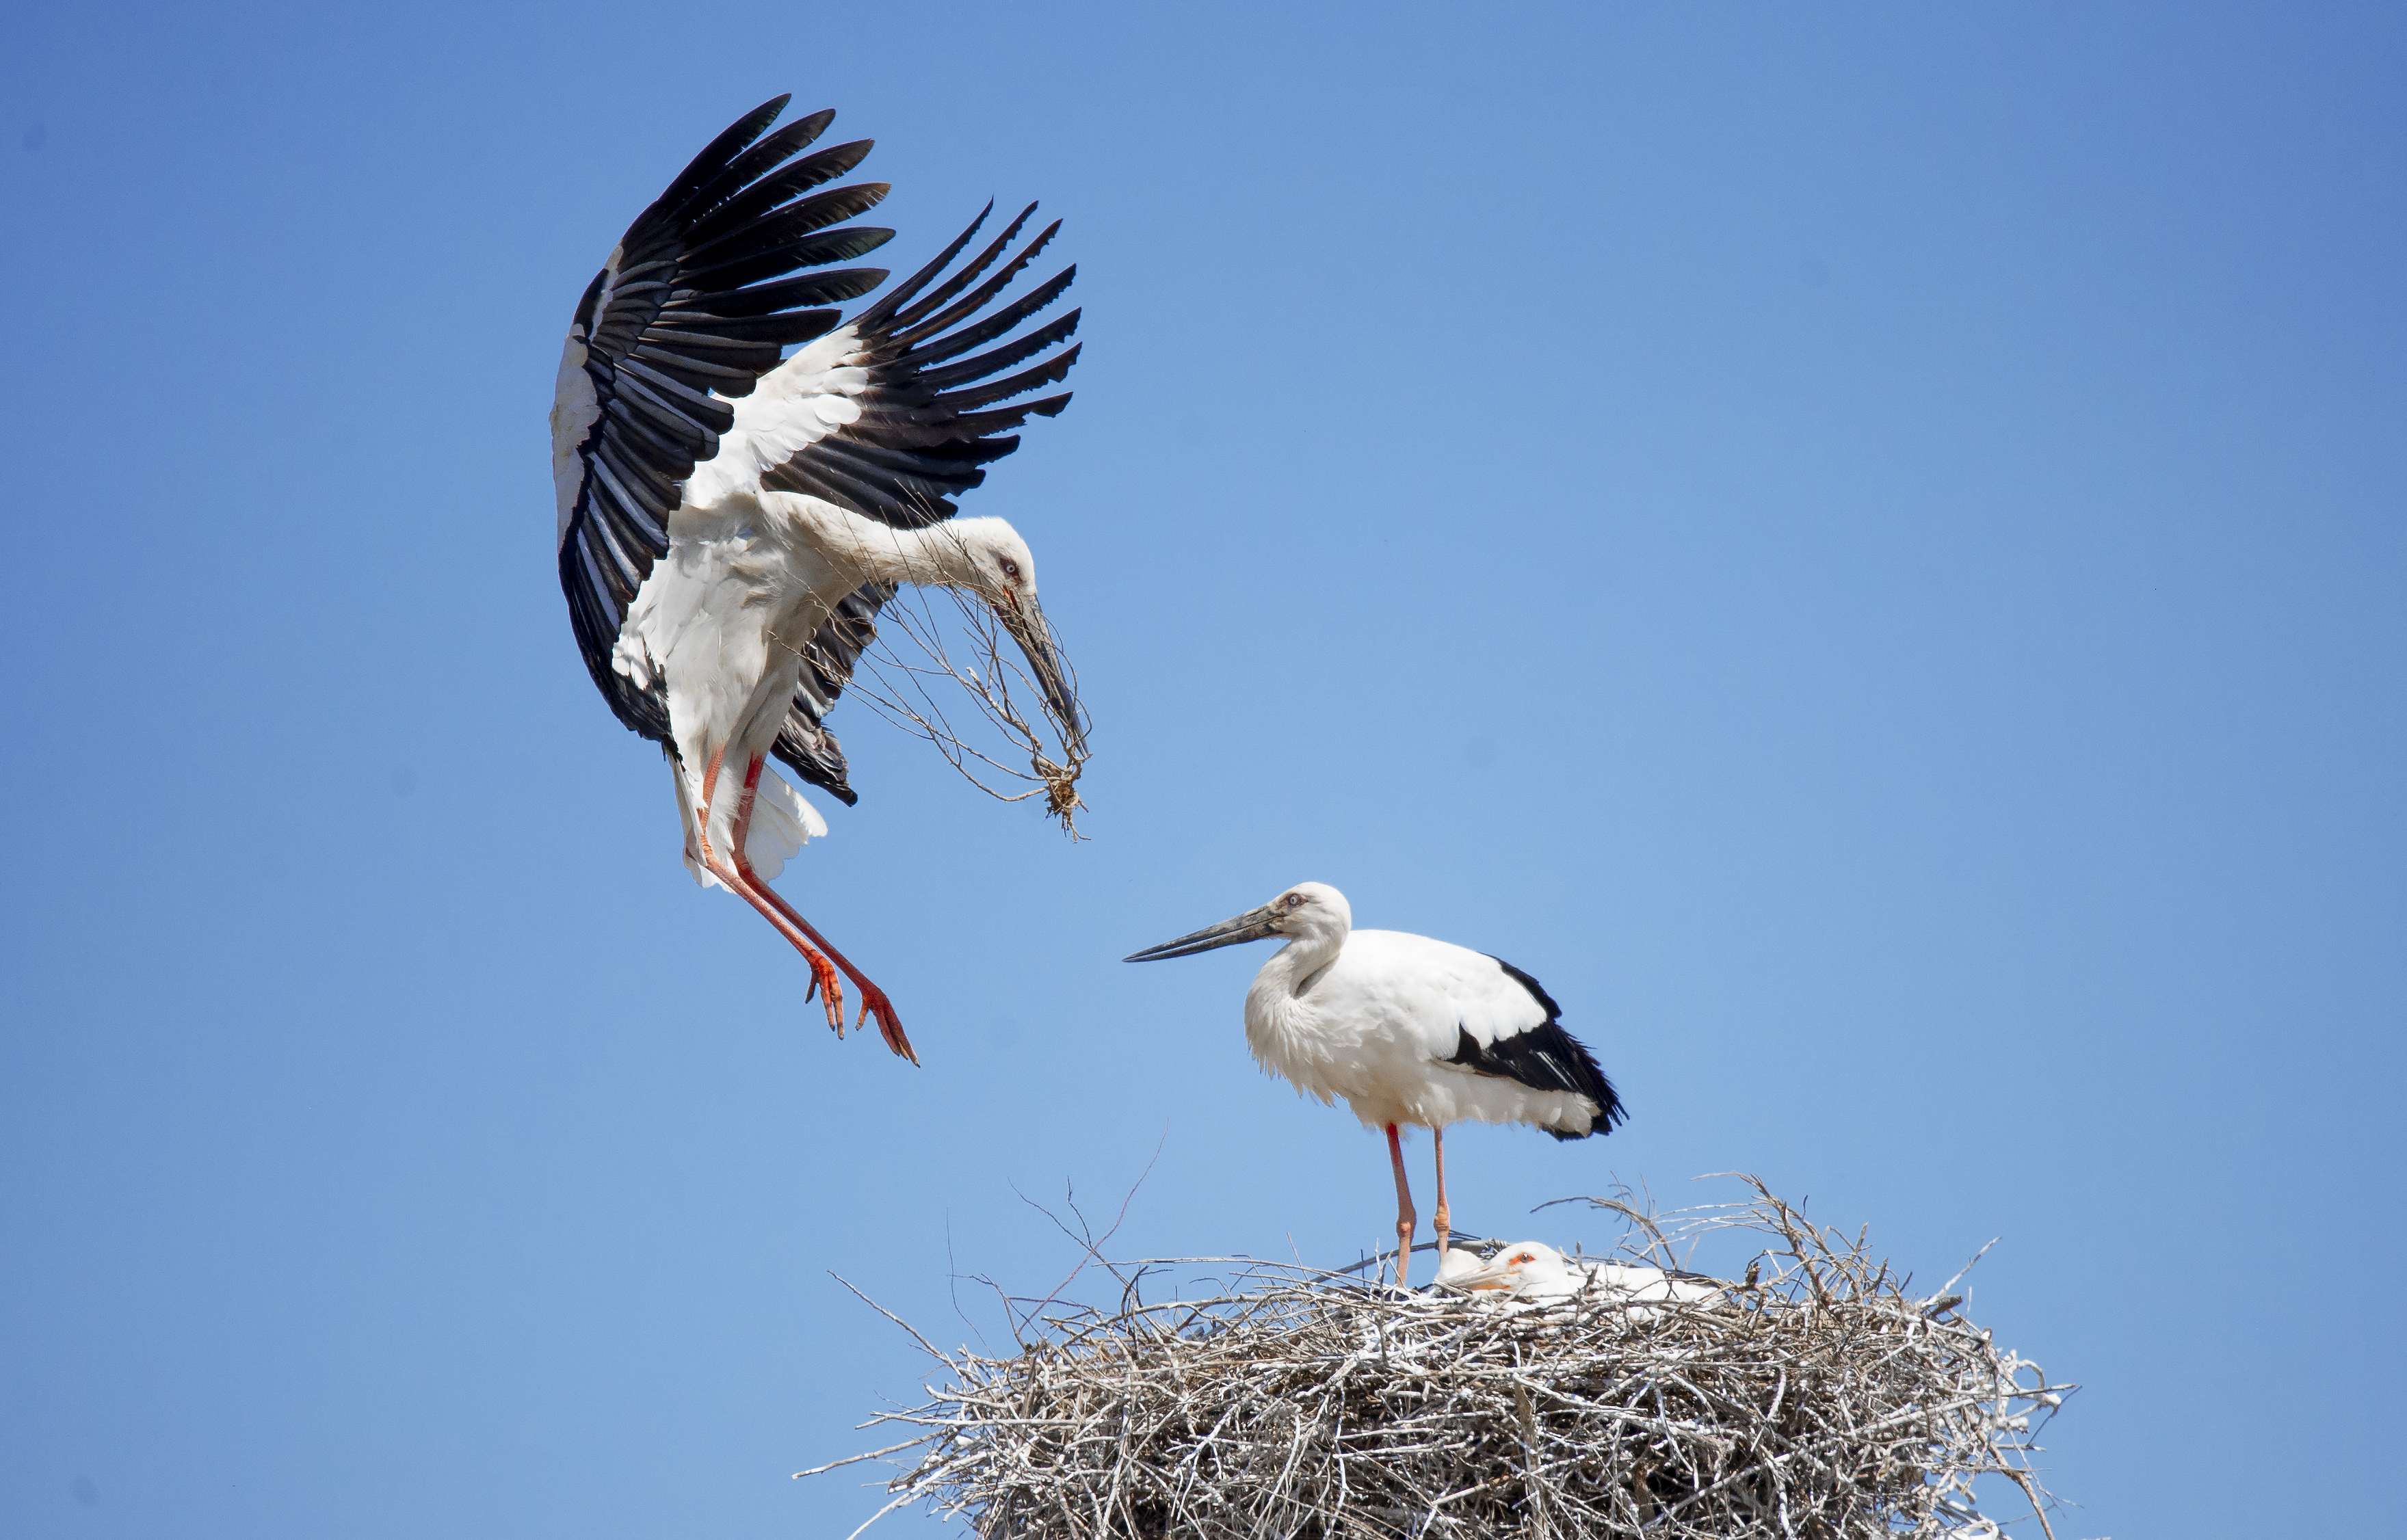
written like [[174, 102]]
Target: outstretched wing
[[876, 418], [884, 415], [672, 373], [691, 309]]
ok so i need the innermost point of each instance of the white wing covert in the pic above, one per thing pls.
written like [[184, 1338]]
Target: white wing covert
[[875, 416], [692, 307], [672, 387], [1515, 1030]]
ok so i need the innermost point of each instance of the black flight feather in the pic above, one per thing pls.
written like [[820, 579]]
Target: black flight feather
[[705, 298], [1545, 1058], [877, 314]]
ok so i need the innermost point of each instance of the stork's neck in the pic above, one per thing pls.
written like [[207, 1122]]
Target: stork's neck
[[935, 557], [1288, 973], [1284, 1023]]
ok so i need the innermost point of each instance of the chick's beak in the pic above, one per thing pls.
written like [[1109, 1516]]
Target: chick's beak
[[1495, 1275]]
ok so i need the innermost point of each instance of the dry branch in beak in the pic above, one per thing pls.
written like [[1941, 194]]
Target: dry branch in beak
[[904, 661]]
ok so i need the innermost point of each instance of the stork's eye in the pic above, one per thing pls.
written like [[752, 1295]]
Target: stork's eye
[[1011, 569], [1294, 900]]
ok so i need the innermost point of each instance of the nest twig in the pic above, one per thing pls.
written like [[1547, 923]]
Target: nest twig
[[1820, 1397], [897, 688]]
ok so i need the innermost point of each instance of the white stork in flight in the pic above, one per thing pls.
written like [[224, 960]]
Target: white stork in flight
[[1408, 1030], [732, 515]]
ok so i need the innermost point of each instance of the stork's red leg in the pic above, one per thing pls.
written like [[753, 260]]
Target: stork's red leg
[[744, 886], [1405, 1218], [1437, 1136], [873, 999]]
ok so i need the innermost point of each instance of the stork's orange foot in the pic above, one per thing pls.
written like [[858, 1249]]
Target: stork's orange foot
[[889, 1026], [829, 988]]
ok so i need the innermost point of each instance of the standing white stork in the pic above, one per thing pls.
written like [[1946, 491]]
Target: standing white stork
[[1408, 1030], [732, 519]]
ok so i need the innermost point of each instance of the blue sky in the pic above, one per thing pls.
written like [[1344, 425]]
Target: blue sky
[[1861, 545]]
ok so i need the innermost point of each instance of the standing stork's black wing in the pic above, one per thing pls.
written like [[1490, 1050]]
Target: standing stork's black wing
[[1540, 1055], [691, 309]]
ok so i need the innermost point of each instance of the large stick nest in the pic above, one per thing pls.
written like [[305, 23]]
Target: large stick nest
[[1820, 1397]]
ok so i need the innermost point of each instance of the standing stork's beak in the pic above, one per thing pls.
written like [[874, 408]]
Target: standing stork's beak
[[1252, 926], [1025, 621]]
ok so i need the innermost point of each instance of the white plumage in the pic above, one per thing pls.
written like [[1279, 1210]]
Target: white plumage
[[1408, 1030], [796, 404], [732, 520], [782, 823], [1373, 1016], [1533, 1272], [722, 624]]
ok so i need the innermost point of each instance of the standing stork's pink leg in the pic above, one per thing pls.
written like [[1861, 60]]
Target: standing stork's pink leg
[[1437, 1136], [873, 999], [823, 977], [1405, 1218]]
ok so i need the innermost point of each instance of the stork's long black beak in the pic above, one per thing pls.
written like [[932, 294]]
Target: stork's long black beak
[[1252, 926], [1025, 621]]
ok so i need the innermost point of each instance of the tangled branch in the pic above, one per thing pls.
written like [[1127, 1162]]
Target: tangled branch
[[897, 688], [1820, 1397]]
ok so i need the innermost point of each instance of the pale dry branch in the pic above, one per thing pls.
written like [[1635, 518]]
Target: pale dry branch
[[914, 647], [908, 648], [1817, 1399]]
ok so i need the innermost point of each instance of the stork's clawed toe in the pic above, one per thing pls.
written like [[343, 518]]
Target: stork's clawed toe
[[830, 990], [889, 1026]]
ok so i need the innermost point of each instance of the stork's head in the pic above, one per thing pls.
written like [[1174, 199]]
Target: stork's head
[[1309, 911], [987, 557]]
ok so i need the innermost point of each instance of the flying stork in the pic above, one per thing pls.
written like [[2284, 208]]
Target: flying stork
[[1408, 1030], [733, 515]]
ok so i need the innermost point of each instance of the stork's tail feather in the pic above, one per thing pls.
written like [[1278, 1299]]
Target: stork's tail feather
[[782, 823]]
